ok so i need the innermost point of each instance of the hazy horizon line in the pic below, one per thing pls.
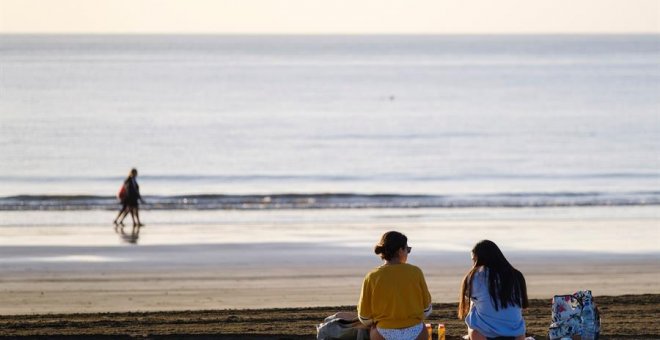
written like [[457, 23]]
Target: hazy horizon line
[[336, 34]]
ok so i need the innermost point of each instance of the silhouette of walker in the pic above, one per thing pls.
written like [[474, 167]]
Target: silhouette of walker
[[129, 195]]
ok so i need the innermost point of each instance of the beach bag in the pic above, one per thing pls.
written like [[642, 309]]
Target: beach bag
[[122, 193], [574, 314], [343, 325]]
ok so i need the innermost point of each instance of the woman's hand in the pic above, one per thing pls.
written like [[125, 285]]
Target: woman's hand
[[374, 334]]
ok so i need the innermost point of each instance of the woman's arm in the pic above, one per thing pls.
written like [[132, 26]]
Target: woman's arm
[[428, 311], [426, 295], [365, 321], [364, 306]]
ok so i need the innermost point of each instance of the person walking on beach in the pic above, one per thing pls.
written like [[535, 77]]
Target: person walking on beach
[[123, 211], [395, 299], [493, 295], [130, 201]]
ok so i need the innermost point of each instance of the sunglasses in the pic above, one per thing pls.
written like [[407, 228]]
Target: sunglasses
[[408, 249]]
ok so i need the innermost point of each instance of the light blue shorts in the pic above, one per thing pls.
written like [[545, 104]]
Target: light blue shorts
[[410, 333]]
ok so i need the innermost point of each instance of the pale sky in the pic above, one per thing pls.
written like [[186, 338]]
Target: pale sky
[[330, 16]]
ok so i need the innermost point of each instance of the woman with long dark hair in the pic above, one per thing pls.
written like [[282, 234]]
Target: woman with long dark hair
[[493, 295], [395, 299]]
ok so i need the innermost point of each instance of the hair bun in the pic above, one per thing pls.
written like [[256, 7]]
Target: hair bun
[[389, 244]]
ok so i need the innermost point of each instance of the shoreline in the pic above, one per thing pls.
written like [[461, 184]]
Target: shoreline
[[623, 317]]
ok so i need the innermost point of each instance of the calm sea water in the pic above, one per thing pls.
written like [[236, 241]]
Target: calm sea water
[[330, 121]]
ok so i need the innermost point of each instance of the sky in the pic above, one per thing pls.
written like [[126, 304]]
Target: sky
[[330, 16]]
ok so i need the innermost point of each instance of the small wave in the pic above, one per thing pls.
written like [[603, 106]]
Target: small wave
[[334, 178], [334, 201]]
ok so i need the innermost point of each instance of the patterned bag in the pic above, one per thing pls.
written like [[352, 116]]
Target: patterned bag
[[574, 315]]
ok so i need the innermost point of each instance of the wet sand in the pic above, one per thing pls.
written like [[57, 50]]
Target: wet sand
[[276, 275], [623, 317]]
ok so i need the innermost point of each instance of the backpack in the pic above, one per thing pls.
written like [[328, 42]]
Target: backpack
[[341, 326], [572, 314], [122, 193]]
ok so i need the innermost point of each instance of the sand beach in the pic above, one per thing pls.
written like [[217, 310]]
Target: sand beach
[[283, 259], [242, 276], [623, 317]]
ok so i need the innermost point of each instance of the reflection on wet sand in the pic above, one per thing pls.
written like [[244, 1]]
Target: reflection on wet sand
[[127, 237]]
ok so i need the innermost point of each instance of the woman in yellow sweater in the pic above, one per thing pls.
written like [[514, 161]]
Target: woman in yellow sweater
[[395, 299]]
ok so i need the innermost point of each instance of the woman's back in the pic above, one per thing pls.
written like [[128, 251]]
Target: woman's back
[[395, 295], [394, 299], [491, 320], [493, 295]]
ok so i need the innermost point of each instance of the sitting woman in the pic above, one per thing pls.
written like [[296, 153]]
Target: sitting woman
[[395, 299], [493, 295]]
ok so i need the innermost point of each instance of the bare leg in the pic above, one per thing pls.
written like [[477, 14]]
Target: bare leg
[[132, 210], [137, 216], [123, 216], [424, 335], [374, 335], [121, 211], [475, 335]]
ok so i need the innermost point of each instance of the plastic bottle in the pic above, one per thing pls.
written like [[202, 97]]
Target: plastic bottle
[[441, 332]]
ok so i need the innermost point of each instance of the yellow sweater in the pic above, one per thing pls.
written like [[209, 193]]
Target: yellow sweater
[[394, 296]]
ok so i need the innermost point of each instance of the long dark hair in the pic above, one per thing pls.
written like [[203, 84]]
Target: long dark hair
[[506, 284], [389, 244]]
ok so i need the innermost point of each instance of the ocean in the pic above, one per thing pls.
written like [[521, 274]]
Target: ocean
[[323, 123], [270, 122]]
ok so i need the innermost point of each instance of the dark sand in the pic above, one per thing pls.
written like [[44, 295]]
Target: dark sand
[[623, 317]]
